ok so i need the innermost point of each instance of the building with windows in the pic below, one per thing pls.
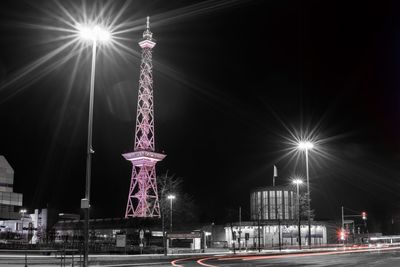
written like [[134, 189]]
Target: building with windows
[[273, 203], [265, 234], [274, 221], [9, 201]]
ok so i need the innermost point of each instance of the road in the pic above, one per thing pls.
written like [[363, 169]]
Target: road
[[376, 257]]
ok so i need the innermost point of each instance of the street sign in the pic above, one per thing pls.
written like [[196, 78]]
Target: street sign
[[184, 235], [85, 203], [121, 240]]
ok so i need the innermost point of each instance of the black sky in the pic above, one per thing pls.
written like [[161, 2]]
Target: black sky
[[226, 80]]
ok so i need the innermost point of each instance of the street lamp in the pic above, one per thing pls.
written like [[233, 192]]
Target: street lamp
[[307, 145], [298, 182], [171, 198], [94, 34]]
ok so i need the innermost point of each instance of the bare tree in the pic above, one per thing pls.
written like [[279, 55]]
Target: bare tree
[[304, 208], [184, 208]]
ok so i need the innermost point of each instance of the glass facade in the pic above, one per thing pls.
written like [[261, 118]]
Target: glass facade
[[272, 206], [272, 203]]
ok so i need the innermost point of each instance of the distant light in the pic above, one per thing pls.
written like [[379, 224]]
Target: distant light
[[342, 235], [22, 211], [305, 145], [94, 33], [297, 181], [364, 215], [171, 196]]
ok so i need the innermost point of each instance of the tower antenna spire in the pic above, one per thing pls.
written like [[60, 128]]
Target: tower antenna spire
[[147, 34]]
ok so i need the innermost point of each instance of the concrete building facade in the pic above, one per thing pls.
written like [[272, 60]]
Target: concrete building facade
[[9, 201]]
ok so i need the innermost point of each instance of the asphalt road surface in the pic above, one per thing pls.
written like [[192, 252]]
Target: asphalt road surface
[[377, 257], [365, 257]]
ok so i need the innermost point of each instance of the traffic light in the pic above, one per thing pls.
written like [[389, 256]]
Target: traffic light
[[364, 215]]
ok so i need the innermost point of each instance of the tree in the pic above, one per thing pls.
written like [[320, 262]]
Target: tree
[[304, 208], [184, 208]]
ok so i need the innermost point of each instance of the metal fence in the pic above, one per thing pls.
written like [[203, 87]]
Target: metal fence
[[35, 257]]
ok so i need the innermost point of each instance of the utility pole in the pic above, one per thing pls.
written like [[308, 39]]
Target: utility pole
[[163, 228], [259, 235], [279, 234], [279, 219], [342, 226], [298, 215], [240, 227]]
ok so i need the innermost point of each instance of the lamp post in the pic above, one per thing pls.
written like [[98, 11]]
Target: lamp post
[[94, 34], [306, 145], [171, 198], [22, 212], [298, 182]]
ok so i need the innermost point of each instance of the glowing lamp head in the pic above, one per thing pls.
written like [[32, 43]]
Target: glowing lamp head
[[94, 33], [297, 181], [364, 215], [171, 197], [342, 235], [305, 145]]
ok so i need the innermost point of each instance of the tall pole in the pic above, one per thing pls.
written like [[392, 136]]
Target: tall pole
[[89, 157], [342, 234], [259, 234], [170, 208], [298, 214], [279, 218], [308, 201], [240, 226], [163, 228]]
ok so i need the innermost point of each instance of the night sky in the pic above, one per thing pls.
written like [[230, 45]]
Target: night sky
[[232, 79]]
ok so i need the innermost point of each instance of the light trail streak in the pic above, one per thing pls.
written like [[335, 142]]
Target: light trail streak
[[307, 254], [174, 262], [201, 262]]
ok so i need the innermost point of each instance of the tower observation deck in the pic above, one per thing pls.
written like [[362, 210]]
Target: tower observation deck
[[143, 196]]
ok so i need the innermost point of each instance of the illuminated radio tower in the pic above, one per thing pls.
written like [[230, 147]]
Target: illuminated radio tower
[[143, 197]]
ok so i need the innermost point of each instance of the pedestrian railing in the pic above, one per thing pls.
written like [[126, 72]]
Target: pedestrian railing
[[33, 257]]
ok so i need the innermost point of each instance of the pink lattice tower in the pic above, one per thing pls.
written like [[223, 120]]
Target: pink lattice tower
[[143, 197]]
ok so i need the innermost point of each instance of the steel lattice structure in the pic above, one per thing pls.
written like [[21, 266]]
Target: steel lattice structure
[[143, 197]]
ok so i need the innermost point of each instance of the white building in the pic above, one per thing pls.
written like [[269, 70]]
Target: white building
[[274, 218]]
